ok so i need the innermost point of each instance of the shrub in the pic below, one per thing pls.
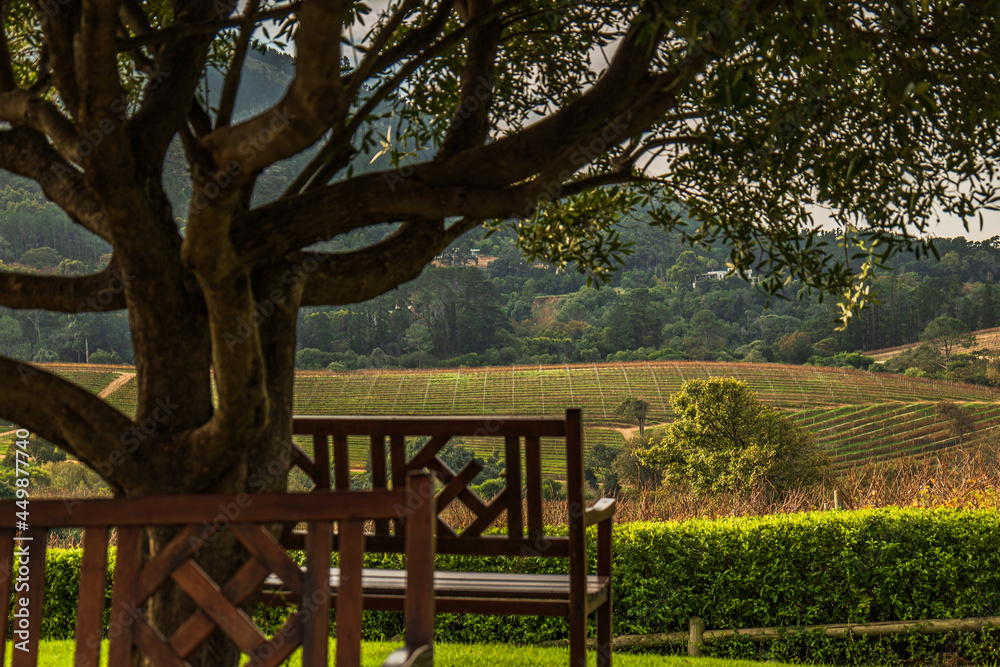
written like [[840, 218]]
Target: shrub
[[787, 570], [311, 359], [490, 488], [111, 358], [73, 476]]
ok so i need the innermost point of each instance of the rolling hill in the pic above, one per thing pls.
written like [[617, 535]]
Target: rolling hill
[[855, 415], [985, 338]]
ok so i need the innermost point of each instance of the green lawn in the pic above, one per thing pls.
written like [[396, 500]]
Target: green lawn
[[60, 653]]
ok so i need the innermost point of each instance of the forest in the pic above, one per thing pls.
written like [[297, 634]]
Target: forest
[[483, 304]]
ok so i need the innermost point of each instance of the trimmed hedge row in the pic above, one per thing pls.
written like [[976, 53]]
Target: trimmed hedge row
[[787, 570]]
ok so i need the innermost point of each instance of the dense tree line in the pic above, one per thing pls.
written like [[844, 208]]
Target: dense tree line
[[660, 305]]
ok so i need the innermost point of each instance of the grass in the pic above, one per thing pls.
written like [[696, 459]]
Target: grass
[[59, 653]]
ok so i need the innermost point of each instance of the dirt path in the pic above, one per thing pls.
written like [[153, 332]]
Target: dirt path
[[628, 433], [117, 382], [104, 393]]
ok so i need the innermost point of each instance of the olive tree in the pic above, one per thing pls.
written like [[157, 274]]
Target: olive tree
[[739, 118]]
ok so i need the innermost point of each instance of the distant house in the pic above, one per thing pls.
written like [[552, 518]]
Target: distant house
[[722, 275]]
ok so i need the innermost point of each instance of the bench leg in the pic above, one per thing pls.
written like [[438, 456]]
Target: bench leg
[[604, 634], [577, 638]]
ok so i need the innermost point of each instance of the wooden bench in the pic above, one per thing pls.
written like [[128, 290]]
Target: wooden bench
[[199, 520], [518, 507]]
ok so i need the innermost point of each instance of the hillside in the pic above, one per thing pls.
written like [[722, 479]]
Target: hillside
[[985, 338], [855, 415]]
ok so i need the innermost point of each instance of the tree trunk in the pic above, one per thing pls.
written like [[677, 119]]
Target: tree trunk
[[182, 379]]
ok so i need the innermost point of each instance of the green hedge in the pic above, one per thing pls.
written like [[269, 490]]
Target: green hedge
[[789, 570]]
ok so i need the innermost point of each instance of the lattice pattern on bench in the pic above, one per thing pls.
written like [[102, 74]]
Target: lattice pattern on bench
[[456, 485], [574, 595], [219, 606]]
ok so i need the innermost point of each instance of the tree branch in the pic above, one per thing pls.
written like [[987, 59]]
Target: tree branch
[[168, 95], [7, 80], [470, 124], [20, 107], [610, 178], [367, 65], [59, 29], [67, 415], [197, 28], [97, 70], [364, 200], [353, 277], [231, 85], [27, 153], [626, 100], [335, 154], [415, 40], [100, 292], [135, 20], [314, 102]]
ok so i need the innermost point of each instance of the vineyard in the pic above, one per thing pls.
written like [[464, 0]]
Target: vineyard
[[857, 416]]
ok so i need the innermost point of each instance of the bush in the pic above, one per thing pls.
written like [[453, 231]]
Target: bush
[[787, 570], [39, 450], [490, 488], [311, 359], [111, 358], [552, 489], [843, 360], [74, 476]]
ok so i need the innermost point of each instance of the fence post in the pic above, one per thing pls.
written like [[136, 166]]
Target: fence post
[[836, 499], [696, 638]]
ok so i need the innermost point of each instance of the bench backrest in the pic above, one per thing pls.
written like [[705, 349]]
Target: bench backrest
[[518, 505], [200, 520]]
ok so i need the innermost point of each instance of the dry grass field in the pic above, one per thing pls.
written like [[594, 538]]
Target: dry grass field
[[985, 338]]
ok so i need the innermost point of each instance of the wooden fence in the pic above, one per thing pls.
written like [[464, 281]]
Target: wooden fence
[[697, 636]]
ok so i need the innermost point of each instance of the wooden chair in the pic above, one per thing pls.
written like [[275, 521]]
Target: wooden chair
[[219, 604], [573, 596]]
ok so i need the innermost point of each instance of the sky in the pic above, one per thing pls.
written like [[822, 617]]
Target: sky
[[953, 227]]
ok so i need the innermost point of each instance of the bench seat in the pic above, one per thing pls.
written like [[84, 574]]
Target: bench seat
[[470, 592]]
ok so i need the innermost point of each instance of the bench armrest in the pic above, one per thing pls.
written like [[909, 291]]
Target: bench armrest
[[406, 657], [600, 511]]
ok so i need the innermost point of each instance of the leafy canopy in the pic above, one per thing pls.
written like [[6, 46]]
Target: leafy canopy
[[947, 334], [725, 439], [409, 123], [634, 409]]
